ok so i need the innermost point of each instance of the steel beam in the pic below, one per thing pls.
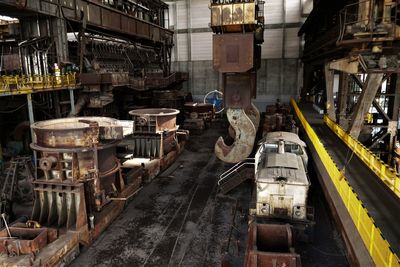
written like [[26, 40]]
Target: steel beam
[[342, 98], [330, 104], [393, 123], [72, 100], [380, 110], [31, 121], [364, 102], [59, 35], [345, 65]]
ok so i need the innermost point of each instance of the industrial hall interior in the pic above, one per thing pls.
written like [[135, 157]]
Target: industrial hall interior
[[200, 133]]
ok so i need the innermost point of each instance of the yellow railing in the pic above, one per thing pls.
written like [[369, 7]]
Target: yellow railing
[[387, 174], [378, 247], [36, 82]]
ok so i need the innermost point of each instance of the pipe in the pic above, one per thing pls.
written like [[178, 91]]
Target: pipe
[[80, 104]]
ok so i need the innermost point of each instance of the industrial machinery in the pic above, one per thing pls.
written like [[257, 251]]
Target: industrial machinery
[[357, 42], [108, 45], [81, 186], [154, 132], [16, 186], [278, 118], [239, 29], [78, 192], [271, 245], [279, 211], [281, 178], [198, 116], [155, 141], [80, 153]]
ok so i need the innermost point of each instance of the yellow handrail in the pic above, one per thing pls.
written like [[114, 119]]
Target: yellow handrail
[[387, 174], [36, 82], [377, 246]]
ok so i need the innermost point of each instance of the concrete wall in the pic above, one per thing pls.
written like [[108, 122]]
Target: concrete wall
[[280, 73]]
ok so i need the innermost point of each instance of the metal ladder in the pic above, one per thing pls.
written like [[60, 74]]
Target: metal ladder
[[9, 183], [235, 175]]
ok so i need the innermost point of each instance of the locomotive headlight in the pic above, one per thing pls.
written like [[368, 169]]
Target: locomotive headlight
[[298, 211], [264, 209]]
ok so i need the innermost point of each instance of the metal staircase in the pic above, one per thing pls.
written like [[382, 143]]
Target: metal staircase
[[236, 175]]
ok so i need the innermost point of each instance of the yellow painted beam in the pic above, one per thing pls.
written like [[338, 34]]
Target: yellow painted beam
[[387, 174], [371, 235]]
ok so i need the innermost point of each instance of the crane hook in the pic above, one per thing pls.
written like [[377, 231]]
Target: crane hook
[[243, 122]]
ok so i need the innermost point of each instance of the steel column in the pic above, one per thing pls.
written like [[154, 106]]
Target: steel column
[[330, 104], [72, 100], [342, 98], [364, 102], [393, 124], [59, 34], [31, 121]]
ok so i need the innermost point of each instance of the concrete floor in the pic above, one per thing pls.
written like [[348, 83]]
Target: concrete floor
[[179, 220]]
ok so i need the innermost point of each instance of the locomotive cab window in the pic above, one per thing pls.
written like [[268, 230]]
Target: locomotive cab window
[[269, 148], [293, 148]]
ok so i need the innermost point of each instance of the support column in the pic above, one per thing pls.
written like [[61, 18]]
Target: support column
[[364, 102], [72, 100], [61, 39], [31, 121], [342, 99], [57, 108], [393, 123], [307, 80], [330, 103]]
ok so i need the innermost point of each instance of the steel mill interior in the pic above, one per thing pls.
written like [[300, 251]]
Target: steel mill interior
[[255, 133]]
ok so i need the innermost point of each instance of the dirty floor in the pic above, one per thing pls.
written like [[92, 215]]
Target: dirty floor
[[179, 220]]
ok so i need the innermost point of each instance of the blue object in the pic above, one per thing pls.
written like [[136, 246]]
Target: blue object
[[215, 98]]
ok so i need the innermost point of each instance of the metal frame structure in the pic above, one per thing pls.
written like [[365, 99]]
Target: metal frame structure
[[359, 42]]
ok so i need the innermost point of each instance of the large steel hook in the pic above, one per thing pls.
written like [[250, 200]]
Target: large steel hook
[[254, 115], [245, 134]]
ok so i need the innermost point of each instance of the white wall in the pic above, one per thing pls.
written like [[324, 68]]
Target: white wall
[[193, 43], [201, 42]]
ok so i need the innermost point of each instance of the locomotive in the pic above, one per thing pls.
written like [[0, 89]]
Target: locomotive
[[280, 177]]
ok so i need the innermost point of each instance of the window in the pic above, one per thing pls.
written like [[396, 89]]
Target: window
[[269, 148], [293, 148]]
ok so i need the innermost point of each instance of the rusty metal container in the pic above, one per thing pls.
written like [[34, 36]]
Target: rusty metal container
[[25, 241], [233, 52], [271, 245], [154, 120], [76, 132], [203, 111], [77, 157], [154, 132]]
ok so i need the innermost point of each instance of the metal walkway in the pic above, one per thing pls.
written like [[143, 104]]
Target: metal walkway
[[379, 201]]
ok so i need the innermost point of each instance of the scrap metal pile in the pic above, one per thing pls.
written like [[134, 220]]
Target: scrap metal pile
[[155, 141]]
